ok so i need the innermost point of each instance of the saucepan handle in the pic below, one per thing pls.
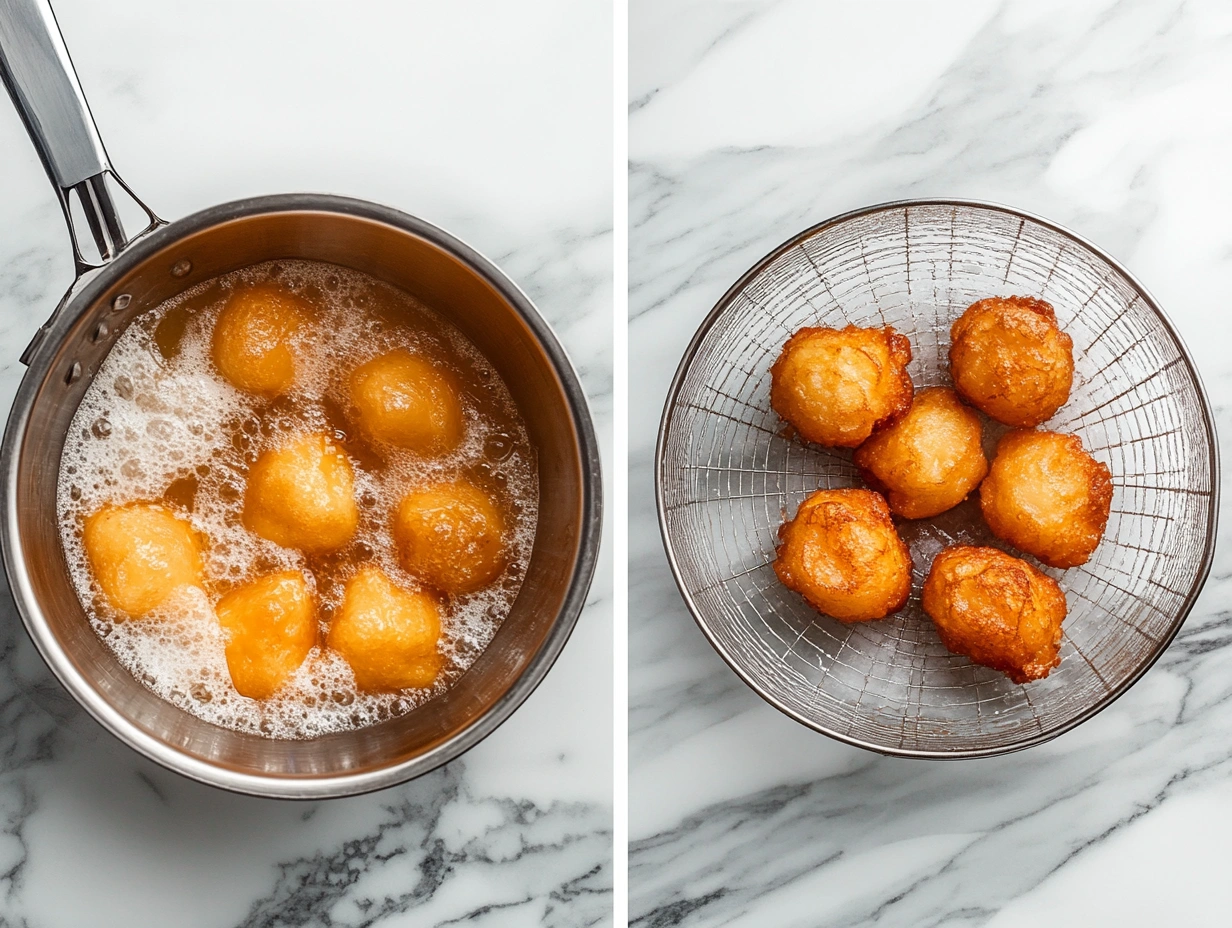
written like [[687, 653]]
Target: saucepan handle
[[39, 75]]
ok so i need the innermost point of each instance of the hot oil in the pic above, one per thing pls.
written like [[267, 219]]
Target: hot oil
[[158, 423]]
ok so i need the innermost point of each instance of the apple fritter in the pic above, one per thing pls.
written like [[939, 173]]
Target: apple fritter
[[451, 535], [302, 495], [997, 610], [842, 553], [141, 553], [253, 338], [929, 460], [1048, 497], [834, 386], [1009, 358]]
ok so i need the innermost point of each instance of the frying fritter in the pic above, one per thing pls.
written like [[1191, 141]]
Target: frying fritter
[[996, 609], [142, 553], [843, 554], [407, 401], [836, 385], [929, 460], [389, 635], [451, 536], [1009, 359], [301, 494], [1048, 497]]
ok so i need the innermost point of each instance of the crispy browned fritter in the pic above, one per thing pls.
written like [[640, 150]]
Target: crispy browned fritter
[[996, 609], [836, 385], [929, 460], [1009, 359], [1048, 497], [842, 553]]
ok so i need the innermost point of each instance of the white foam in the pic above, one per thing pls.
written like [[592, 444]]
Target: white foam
[[147, 421]]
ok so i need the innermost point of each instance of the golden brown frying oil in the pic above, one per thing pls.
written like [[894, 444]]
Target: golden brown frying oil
[[158, 422]]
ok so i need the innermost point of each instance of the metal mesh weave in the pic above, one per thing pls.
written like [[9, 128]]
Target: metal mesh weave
[[727, 478]]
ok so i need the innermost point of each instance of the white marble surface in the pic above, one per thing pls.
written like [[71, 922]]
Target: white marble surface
[[752, 120], [492, 120]]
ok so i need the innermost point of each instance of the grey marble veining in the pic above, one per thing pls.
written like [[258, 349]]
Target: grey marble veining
[[90, 834], [445, 113], [767, 118]]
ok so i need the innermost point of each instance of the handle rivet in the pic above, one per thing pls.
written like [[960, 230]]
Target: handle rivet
[[181, 268], [120, 303], [74, 373], [102, 331]]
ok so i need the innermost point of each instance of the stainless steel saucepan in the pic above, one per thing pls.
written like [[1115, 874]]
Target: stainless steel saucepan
[[133, 273]]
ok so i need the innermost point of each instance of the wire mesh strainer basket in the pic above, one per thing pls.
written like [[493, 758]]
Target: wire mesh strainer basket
[[727, 476]]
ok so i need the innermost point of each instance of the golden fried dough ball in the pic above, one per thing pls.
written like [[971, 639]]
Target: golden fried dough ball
[[929, 460], [386, 634], [271, 625], [843, 554], [451, 536], [252, 338], [1008, 358], [302, 495], [996, 609], [404, 400], [836, 385], [1048, 497], [140, 554]]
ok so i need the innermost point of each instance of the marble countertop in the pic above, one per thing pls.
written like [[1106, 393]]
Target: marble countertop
[[750, 121], [494, 121]]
